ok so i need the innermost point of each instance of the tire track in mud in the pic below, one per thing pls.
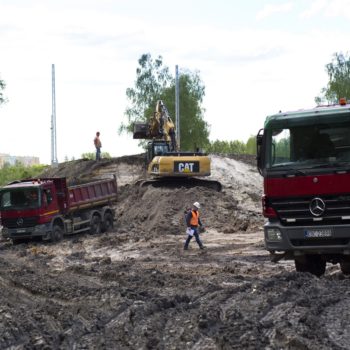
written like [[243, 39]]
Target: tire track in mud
[[213, 300]]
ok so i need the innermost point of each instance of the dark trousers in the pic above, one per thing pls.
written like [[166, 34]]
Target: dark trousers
[[98, 153], [196, 236]]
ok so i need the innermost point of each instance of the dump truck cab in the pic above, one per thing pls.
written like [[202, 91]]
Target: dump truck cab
[[304, 158], [28, 207]]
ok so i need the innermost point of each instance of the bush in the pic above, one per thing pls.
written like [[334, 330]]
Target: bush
[[92, 156], [19, 171]]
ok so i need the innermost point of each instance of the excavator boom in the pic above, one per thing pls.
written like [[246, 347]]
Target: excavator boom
[[160, 127]]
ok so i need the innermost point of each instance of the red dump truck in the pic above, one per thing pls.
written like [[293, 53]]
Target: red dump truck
[[304, 157], [49, 208]]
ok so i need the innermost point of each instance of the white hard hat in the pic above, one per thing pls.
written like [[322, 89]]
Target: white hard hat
[[197, 205]]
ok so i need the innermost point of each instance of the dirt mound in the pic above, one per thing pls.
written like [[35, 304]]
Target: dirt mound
[[154, 211], [127, 169], [245, 158]]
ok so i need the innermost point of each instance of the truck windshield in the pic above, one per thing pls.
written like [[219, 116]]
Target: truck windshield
[[308, 145], [19, 198]]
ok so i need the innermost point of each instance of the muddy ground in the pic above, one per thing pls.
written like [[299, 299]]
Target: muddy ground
[[135, 287]]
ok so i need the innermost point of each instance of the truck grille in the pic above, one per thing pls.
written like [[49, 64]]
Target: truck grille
[[320, 242], [19, 222], [296, 211]]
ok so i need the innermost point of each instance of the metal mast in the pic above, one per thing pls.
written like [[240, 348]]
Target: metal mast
[[53, 122], [177, 106]]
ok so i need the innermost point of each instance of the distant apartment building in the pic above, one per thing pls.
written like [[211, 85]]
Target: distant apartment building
[[12, 160]]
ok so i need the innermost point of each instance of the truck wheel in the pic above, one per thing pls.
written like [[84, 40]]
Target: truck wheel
[[95, 226], [301, 265], [311, 263], [108, 222], [345, 267], [56, 234]]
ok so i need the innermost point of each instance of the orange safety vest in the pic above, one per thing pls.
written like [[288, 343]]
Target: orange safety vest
[[194, 218]]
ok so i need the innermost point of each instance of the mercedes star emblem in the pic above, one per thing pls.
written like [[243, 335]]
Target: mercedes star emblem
[[19, 222], [317, 206]]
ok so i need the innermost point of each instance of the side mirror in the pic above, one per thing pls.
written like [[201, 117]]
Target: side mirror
[[259, 142]]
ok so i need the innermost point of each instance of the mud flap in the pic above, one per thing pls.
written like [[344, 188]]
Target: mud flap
[[275, 258]]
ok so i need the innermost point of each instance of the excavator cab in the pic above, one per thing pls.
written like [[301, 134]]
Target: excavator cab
[[157, 148]]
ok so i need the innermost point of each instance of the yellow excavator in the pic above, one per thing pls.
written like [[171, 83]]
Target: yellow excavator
[[165, 162]]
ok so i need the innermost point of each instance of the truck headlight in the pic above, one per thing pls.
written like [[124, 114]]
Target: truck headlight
[[274, 234]]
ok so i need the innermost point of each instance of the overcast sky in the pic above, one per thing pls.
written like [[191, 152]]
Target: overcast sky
[[255, 58]]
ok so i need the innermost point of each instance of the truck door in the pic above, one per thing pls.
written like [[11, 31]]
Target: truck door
[[49, 204]]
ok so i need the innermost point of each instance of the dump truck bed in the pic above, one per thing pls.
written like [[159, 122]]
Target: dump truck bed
[[92, 194]]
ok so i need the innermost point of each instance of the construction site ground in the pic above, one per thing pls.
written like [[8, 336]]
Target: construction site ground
[[136, 288]]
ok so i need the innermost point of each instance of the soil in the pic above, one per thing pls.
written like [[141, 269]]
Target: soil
[[136, 288]]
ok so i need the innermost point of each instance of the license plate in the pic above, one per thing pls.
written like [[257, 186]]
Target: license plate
[[20, 230], [318, 233]]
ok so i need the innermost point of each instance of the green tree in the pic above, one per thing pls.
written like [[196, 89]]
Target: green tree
[[19, 171], [152, 77], [227, 147], [194, 130], [2, 88], [251, 145], [339, 80], [154, 82]]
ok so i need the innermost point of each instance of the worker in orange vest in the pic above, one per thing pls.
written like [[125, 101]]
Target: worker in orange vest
[[193, 222]]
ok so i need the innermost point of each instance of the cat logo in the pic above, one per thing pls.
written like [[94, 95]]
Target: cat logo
[[186, 167]]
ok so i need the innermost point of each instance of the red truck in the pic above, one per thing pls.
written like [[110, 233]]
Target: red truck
[[49, 208], [304, 158]]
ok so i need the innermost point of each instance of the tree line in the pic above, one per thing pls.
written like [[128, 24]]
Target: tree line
[[155, 82], [19, 171]]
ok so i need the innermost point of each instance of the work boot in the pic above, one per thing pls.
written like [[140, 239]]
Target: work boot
[[202, 247]]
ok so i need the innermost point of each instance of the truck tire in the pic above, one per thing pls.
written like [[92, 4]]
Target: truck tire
[[56, 234], [345, 267], [95, 225], [311, 263], [108, 222]]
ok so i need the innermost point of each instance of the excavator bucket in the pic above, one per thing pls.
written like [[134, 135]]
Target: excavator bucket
[[141, 131]]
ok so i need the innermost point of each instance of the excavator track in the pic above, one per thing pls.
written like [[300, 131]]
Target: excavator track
[[176, 182]]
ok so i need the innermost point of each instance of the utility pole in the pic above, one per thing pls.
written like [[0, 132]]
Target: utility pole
[[54, 161], [177, 106]]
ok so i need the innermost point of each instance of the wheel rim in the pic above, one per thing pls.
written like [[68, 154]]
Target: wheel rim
[[57, 234], [108, 222], [96, 225]]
